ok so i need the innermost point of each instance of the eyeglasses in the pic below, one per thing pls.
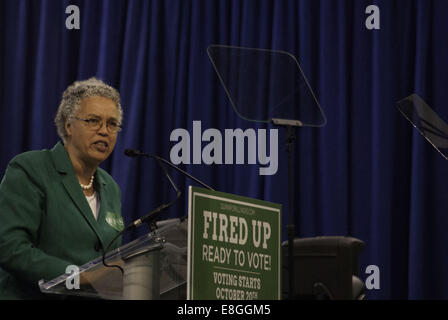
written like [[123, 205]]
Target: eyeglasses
[[97, 123]]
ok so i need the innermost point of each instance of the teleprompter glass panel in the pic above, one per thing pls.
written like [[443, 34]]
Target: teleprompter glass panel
[[265, 84], [426, 121]]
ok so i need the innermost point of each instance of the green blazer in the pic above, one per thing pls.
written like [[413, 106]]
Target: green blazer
[[46, 222]]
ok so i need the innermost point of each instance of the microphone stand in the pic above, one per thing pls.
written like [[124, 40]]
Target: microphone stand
[[149, 219], [151, 216], [290, 125]]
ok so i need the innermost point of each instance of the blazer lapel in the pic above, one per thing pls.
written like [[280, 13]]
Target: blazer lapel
[[100, 185], [72, 187], [69, 180]]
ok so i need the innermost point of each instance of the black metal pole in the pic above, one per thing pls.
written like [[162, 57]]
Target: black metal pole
[[290, 138], [291, 126]]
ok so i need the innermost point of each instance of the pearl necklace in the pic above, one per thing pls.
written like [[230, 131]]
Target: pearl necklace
[[87, 187]]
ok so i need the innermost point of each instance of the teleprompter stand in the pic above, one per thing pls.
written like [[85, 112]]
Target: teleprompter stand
[[268, 86], [290, 126]]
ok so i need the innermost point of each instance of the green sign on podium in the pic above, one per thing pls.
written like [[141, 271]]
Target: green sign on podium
[[233, 247]]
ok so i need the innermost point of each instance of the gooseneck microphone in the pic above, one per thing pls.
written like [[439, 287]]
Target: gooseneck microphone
[[151, 217], [136, 153]]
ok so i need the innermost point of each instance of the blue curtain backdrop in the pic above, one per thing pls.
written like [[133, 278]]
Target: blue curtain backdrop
[[367, 173]]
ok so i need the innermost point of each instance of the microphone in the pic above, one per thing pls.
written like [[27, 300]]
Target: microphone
[[151, 216], [132, 153], [137, 153]]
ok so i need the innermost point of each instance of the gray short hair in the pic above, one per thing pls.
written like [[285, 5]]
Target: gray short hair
[[75, 93]]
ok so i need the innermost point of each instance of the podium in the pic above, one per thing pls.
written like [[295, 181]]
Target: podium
[[229, 249], [154, 267]]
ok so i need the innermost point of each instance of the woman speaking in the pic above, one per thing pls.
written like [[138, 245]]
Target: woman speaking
[[57, 207]]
